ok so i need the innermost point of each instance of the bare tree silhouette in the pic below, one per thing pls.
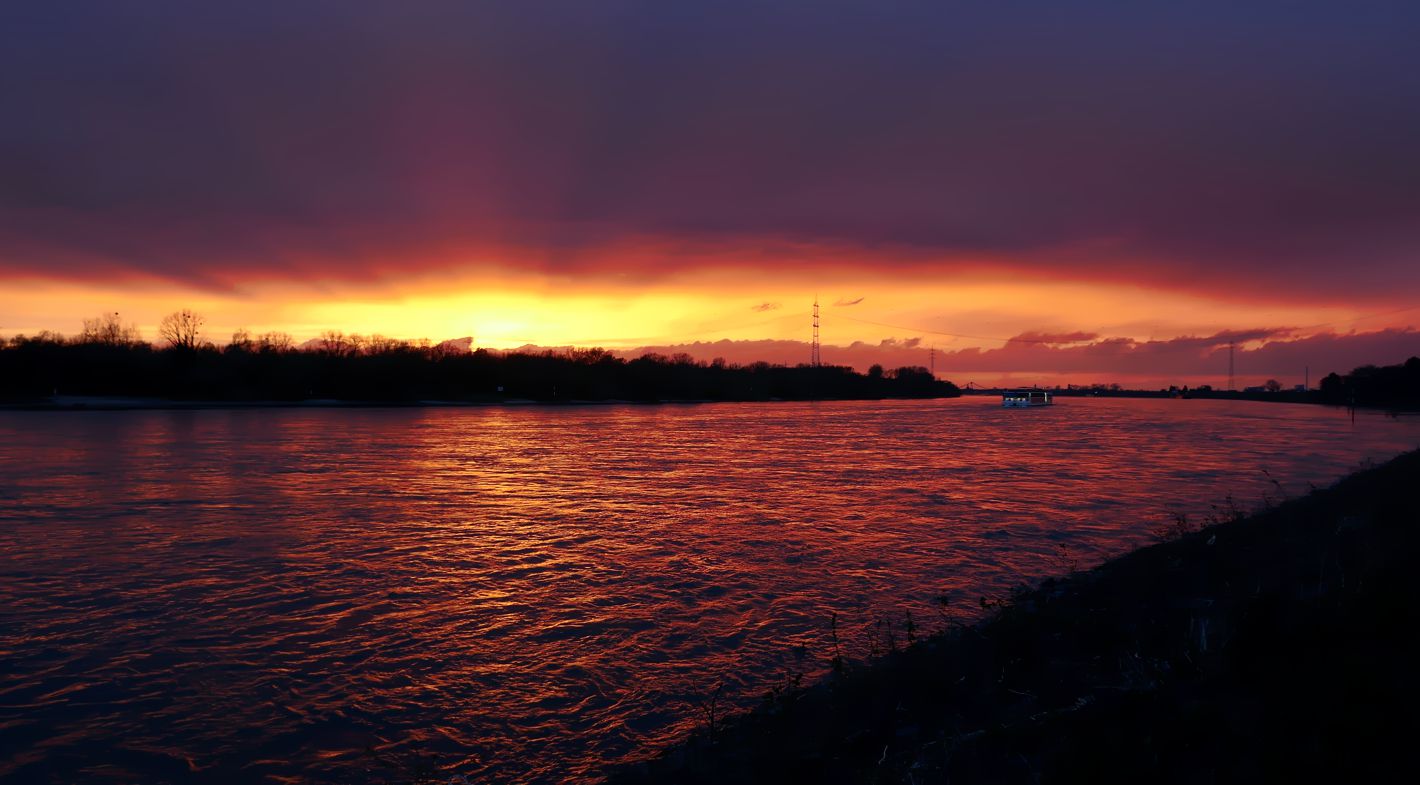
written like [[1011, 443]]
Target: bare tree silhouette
[[335, 342], [241, 341], [181, 329], [275, 342], [108, 329]]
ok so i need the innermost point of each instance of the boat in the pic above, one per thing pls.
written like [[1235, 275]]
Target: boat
[[1023, 398]]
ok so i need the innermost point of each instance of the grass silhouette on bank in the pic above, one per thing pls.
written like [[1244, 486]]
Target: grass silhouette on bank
[[1270, 647]]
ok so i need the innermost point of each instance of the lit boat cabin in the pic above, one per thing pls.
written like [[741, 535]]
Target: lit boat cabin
[[1012, 398]]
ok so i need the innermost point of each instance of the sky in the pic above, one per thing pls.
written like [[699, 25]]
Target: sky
[[1032, 190]]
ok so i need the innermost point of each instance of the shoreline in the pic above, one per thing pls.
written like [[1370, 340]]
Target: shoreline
[[1269, 646], [119, 403], [1310, 398], [116, 403]]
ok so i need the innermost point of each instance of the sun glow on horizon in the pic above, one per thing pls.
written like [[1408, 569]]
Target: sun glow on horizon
[[947, 314]]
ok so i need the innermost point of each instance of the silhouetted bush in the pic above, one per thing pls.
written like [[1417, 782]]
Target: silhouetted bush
[[1370, 385]]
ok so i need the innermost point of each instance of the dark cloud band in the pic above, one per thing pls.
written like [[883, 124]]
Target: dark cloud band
[[1260, 149]]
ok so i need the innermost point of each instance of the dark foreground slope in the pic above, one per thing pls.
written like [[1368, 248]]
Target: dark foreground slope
[[1271, 648]]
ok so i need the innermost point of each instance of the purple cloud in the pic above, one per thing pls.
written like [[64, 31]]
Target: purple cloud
[[1211, 146]]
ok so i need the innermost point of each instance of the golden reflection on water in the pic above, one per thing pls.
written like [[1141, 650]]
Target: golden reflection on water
[[530, 594]]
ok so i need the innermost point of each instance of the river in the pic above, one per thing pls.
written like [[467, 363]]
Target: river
[[534, 593]]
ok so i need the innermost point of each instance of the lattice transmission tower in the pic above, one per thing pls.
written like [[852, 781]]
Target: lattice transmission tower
[[814, 360]]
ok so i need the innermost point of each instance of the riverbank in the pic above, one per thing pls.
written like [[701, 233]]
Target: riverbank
[[1390, 387], [1267, 648], [1313, 397], [80, 403], [112, 403]]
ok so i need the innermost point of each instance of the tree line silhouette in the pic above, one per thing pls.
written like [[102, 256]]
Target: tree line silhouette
[[1371, 385], [109, 358]]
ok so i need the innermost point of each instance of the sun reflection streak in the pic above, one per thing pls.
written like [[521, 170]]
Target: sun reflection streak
[[528, 593]]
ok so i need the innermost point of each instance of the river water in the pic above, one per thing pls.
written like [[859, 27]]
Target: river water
[[532, 594]]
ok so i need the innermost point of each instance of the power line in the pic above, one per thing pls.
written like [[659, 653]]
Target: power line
[[693, 336], [1216, 340], [1359, 318], [963, 335]]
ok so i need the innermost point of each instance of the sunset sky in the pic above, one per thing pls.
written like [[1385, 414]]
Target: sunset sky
[[1122, 187]]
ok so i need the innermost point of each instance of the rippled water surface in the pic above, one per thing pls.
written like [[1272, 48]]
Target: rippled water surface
[[530, 594]]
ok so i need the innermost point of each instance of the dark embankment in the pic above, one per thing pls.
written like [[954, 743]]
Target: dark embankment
[[1270, 648]]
